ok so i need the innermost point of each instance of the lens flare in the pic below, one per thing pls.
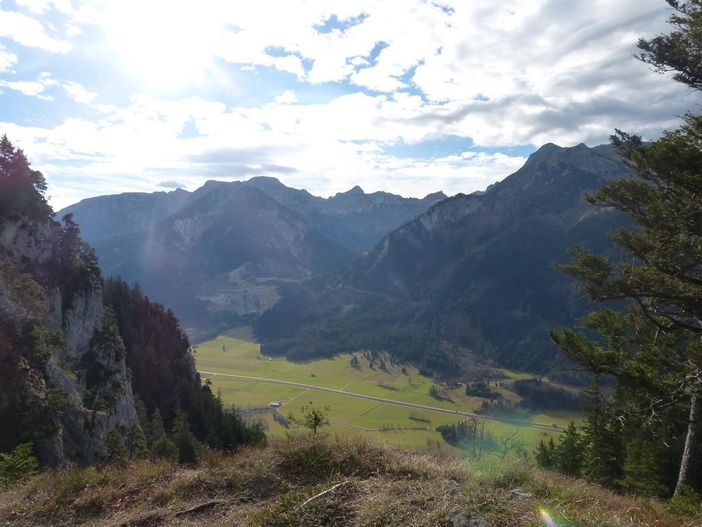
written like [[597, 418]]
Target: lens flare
[[547, 518]]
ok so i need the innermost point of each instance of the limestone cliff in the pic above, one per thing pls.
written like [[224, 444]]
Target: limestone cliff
[[63, 378]]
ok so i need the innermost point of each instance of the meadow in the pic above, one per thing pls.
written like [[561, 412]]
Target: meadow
[[236, 354]]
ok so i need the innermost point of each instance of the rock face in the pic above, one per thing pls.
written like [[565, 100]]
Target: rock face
[[63, 377]]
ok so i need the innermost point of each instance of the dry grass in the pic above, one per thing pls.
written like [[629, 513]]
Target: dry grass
[[284, 484]]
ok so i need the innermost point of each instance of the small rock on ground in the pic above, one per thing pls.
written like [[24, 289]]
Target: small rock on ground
[[461, 519], [517, 494]]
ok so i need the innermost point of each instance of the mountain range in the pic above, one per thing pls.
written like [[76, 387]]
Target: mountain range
[[221, 254], [471, 278], [442, 282]]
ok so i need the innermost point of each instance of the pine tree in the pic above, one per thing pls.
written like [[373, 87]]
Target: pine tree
[[22, 189], [602, 458], [680, 51], [156, 429], [135, 441], [655, 349], [164, 448], [184, 441], [644, 465], [142, 417], [569, 452], [312, 418], [115, 449], [545, 454], [18, 464]]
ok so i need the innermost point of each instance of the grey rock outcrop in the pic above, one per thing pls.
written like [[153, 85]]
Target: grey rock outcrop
[[64, 377], [461, 519]]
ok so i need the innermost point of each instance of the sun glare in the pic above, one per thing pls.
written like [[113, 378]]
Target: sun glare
[[163, 43], [548, 520]]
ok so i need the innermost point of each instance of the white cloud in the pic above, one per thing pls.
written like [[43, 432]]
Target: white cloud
[[32, 88], [498, 74], [136, 147], [291, 64], [29, 88], [287, 97], [39, 7], [29, 32], [78, 93], [7, 59], [531, 61]]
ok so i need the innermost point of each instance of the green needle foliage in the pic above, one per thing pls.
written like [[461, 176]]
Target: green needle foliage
[[21, 187], [569, 452], [185, 442], [18, 464], [679, 51], [115, 449], [654, 349]]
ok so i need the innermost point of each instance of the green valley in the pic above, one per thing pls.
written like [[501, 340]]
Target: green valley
[[366, 393]]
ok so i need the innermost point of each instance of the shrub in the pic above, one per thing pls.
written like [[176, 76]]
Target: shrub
[[439, 394], [115, 449], [481, 389], [540, 395], [688, 503], [314, 461], [164, 448], [18, 464]]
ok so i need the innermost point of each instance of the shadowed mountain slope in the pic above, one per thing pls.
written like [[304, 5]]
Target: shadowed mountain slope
[[471, 276]]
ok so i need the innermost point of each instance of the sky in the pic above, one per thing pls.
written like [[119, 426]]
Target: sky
[[406, 96]]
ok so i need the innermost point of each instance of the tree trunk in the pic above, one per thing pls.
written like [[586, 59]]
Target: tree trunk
[[689, 444]]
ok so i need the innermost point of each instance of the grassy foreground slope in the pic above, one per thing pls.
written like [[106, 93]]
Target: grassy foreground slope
[[232, 357], [284, 484]]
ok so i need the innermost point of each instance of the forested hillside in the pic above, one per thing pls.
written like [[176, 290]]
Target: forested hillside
[[88, 369]]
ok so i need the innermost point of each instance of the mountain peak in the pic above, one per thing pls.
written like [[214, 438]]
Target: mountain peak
[[570, 154], [355, 191], [552, 148], [211, 183], [269, 181], [548, 148], [435, 196], [551, 164]]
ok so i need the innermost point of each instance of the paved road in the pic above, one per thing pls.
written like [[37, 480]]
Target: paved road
[[518, 422]]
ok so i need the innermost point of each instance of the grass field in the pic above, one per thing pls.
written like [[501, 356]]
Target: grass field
[[236, 354]]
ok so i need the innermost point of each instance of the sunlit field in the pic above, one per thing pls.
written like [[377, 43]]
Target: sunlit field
[[227, 360]]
